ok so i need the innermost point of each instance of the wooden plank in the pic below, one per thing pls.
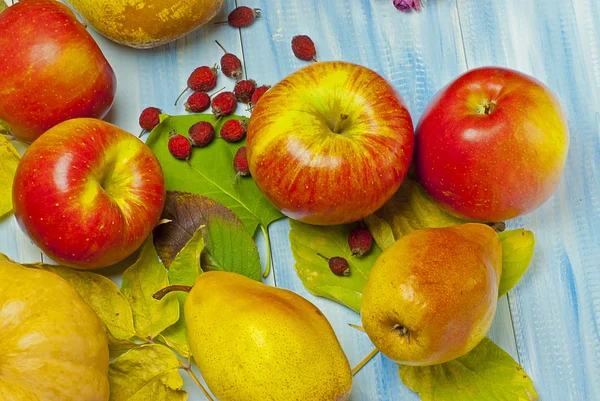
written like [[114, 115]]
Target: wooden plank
[[556, 308], [418, 53]]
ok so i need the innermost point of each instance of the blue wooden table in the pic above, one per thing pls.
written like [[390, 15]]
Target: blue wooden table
[[550, 322]]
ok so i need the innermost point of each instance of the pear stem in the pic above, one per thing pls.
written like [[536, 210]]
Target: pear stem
[[362, 363], [189, 371], [338, 124], [265, 232], [160, 294]]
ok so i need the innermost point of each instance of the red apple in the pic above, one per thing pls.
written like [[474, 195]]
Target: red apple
[[52, 69], [88, 193], [330, 144], [491, 145]]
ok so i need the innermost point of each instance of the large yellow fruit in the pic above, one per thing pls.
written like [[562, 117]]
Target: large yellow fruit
[[52, 344], [253, 342], [146, 23]]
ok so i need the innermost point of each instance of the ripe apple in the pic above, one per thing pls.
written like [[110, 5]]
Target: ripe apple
[[88, 193], [491, 145], [330, 144], [52, 69]]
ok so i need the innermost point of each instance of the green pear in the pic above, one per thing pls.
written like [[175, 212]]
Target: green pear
[[432, 295], [253, 342]]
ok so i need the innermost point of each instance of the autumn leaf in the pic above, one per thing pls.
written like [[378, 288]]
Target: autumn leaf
[[487, 373], [150, 372], [517, 252], [380, 230], [102, 295], [228, 246], [409, 209], [9, 160], [184, 270], [307, 241], [142, 280]]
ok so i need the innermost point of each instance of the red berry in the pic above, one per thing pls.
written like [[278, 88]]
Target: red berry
[[240, 162], [231, 65], [149, 118], [339, 266], [258, 94], [201, 134], [202, 79], [243, 16], [179, 146], [224, 104], [234, 130], [304, 48], [197, 102], [360, 241], [244, 90]]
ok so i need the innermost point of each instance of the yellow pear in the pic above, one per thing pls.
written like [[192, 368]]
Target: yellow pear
[[146, 23], [432, 295], [253, 342], [52, 344]]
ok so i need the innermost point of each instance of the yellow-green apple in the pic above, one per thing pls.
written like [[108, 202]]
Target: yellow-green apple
[[52, 69], [432, 295], [330, 144], [491, 145], [88, 193]]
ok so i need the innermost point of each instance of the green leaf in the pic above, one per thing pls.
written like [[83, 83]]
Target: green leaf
[[9, 159], [140, 281], [380, 230], [211, 172], [517, 252], [228, 246], [184, 270], [487, 373], [103, 296], [150, 372], [3, 7], [307, 241]]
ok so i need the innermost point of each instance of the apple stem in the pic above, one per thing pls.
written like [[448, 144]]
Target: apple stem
[[265, 232], [338, 124], [498, 226], [160, 294], [366, 360], [180, 95], [486, 107]]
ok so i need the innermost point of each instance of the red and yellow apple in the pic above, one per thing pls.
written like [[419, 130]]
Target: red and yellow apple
[[88, 193], [330, 144], [491, 145], [52, 69]]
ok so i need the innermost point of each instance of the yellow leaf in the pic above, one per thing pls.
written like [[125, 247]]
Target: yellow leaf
[[517, 252], [380, 230], [150, 372], [9, 159]]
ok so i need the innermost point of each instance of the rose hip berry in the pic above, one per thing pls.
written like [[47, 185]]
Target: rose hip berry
[[224, 104], [338, 265], [243, 16], [202, 79], [179, 146], [360, 241], [230, 65], [234, 130], [407, 5], [201, 134], [304, 48], [240, 162], [197, 102], [258, 94], [149, 118], [244, 90]]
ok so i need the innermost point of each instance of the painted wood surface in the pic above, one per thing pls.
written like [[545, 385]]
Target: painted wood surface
[[551, 321]]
